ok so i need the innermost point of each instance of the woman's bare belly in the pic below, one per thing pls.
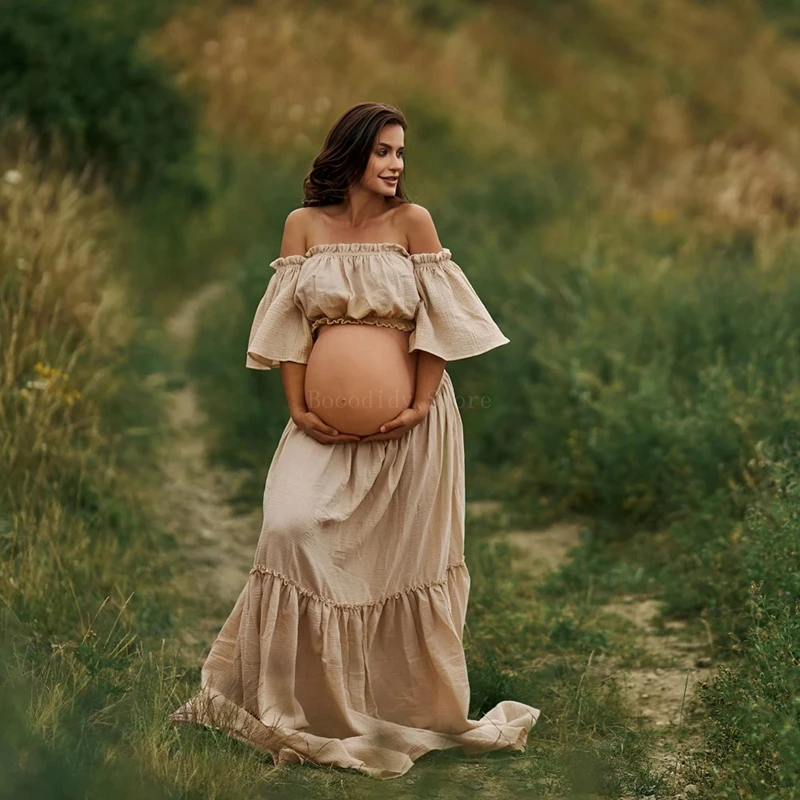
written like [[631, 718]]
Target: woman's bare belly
[[359, 376]]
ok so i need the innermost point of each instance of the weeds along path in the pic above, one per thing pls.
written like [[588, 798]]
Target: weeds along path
[[658, 665]]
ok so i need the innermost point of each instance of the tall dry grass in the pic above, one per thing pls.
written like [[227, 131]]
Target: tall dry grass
[[83, 564], [276, 74], [679, 108]]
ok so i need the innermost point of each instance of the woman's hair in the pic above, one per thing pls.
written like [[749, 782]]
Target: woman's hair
[[346, 153]]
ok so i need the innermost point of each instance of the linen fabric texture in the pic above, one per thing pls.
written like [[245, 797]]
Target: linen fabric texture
[[344, 647]]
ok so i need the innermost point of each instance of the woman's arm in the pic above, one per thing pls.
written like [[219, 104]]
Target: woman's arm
[[423, 238], [429, 374], [293, 377], [293, 373]]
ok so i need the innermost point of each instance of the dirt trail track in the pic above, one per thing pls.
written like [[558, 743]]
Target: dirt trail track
[[661, 692], [218, 544], [220, 547]]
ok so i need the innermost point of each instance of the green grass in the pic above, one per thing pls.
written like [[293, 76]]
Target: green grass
[[752, 723], [93, 612], [585, 739], [652, 386]]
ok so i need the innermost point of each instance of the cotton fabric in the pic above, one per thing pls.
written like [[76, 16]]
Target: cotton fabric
[[344, 647]]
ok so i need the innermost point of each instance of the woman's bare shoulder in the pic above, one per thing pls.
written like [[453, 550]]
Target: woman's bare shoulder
[[420, 229], [295, 230]]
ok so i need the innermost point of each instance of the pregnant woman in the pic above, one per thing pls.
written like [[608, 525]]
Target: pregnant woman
[[345, 645]]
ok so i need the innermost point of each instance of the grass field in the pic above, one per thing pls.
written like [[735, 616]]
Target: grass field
[[620, 184]]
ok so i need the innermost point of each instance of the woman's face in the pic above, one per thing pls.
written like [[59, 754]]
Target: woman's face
[[386, 161]]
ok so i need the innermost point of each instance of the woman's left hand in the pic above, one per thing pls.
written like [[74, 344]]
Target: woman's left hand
[[401, 424]]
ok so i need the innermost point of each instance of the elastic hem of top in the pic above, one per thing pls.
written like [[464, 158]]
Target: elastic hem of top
[[384, 322], [431, 258], [357, 247], [362, 248]]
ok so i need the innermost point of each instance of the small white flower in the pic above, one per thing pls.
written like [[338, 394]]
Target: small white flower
[[13, 176], [38, 384]]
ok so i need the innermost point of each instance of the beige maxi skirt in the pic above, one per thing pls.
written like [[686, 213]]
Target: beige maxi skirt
[[344, 647]]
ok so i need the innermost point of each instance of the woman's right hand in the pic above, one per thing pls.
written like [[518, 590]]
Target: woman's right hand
[[311, 424]]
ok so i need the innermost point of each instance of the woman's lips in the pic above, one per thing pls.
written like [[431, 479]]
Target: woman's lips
[[390, 181]]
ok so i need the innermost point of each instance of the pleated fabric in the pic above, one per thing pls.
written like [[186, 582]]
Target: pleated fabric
[[345, 646], [370, 283], [280, 330]]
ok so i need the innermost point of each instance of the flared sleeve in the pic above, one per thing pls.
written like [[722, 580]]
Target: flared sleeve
[[451, 320], [280, 330]]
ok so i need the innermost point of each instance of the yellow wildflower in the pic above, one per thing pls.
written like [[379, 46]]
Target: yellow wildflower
[[662, 216]]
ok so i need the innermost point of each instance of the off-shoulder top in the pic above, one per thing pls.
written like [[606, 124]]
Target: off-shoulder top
[[369, 283]]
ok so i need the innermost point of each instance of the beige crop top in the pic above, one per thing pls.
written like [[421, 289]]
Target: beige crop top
[[369, 283]]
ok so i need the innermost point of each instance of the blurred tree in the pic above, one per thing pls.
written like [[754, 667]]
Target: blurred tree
[[75, 69]]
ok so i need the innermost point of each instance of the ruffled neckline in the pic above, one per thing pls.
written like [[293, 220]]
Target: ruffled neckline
[[344, 248], [357, 247]]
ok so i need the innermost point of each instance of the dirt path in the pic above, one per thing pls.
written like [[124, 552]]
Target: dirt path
[[220, 550], [664, 691], [218, 545], [660, 687]]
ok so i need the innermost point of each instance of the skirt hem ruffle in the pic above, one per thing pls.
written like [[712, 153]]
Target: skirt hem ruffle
[[371, 690], [505, 727]]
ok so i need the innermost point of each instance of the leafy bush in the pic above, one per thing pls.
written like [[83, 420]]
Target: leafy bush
[[748, 582], [637, 387], [68, 69], [786, 13]]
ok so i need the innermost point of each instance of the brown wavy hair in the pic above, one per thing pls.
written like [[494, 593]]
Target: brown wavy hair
[[346, 152]]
